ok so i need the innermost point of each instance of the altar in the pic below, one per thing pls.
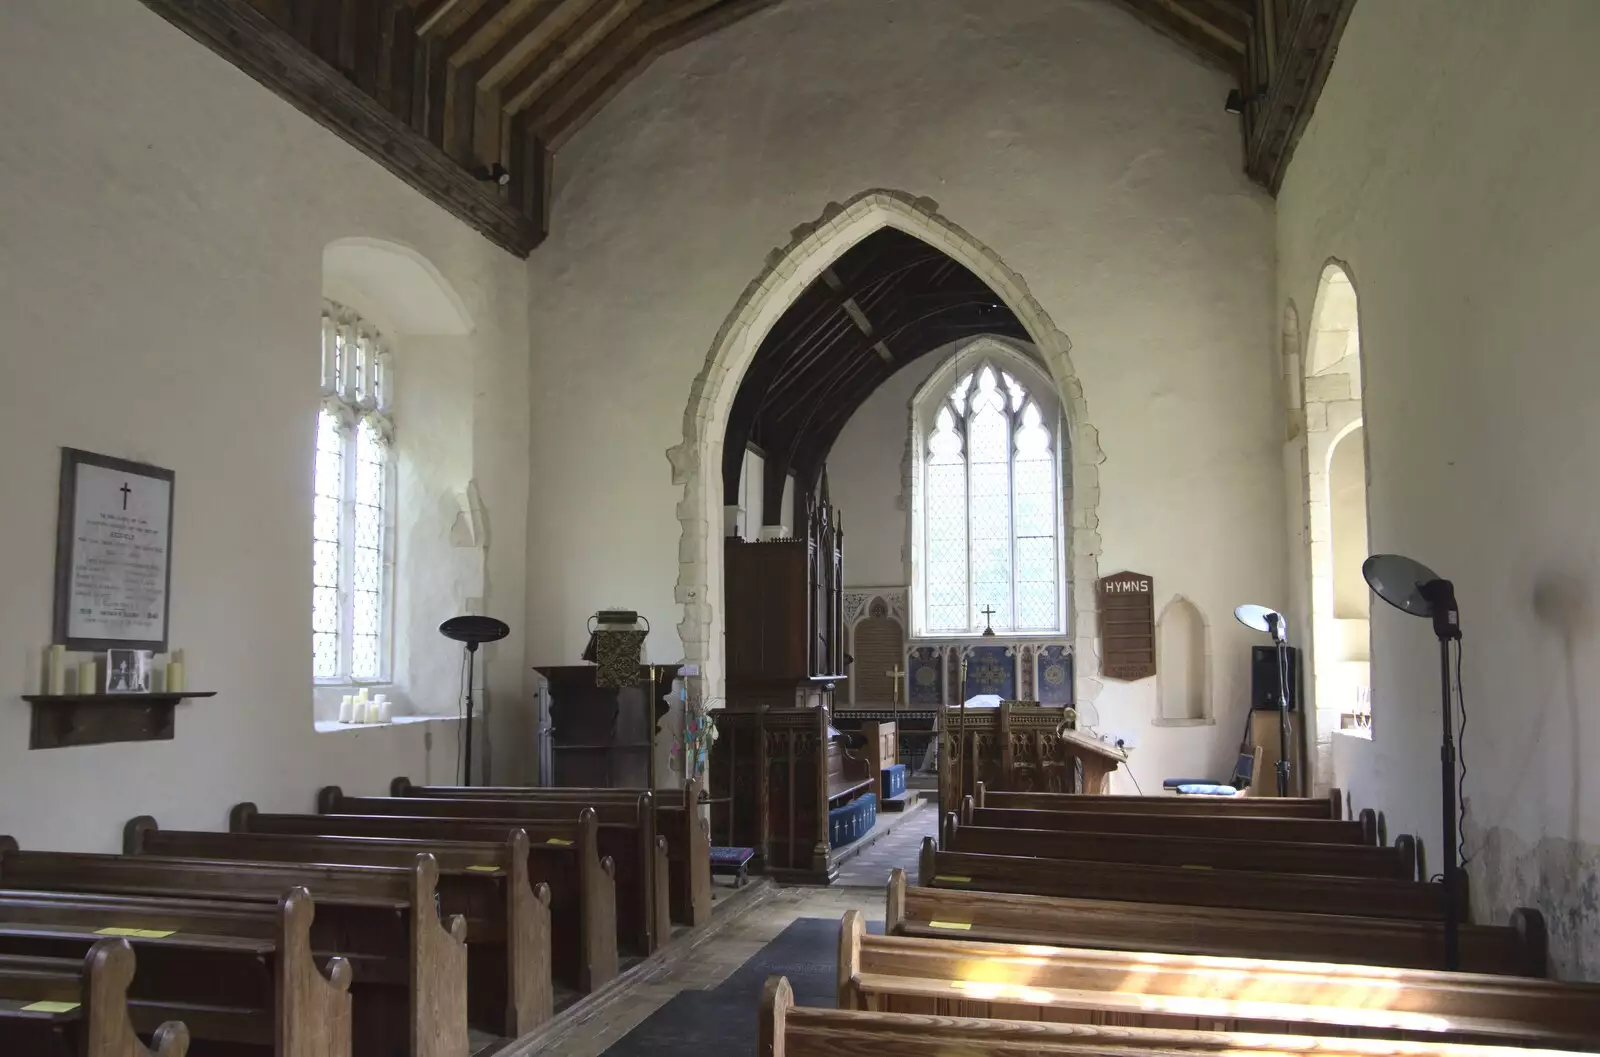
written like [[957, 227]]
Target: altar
[[1019, 746]]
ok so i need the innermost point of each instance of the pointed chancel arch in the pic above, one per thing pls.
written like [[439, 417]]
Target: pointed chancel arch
[[696, 462]]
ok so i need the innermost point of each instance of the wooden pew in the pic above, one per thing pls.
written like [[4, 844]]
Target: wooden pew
[[688, 835], [1518, 949], [1138, 883], [1328, 807], [627, 834], [410, 968], [237, 974], [564, 855], [786, 1030], [1398, 862], [79, 1007], [1140, 989], [1226, 827], [508, 916]]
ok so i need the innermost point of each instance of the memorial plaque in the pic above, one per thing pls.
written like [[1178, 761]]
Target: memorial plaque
[[113, 553], [1127, 626]]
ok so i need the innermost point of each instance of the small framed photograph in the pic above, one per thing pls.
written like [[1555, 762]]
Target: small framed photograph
[[128, 671]]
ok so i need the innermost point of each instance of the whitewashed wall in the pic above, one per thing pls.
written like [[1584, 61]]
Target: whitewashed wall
[[160, 282], [1451, 163], [1091, 154]]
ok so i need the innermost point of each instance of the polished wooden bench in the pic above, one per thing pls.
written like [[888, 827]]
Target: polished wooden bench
[[1518, 949], [77, 1007], [508, 916], [1328, 807], [687, 834], [1363, 830], [1140, 883], [564, 855], [1142, 989], [409, 966], [786, 1030], [626, 834], [240, 975], [1397, 862]]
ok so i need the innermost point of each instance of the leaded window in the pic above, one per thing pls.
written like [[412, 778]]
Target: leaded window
[[991, 502], [352, 509]]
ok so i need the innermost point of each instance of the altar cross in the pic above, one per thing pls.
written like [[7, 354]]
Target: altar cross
[[125, 490], [896, 673], [988, 619]]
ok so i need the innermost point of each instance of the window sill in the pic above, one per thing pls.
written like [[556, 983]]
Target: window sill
[[1356, 732], [332, 726], [1162, 721]]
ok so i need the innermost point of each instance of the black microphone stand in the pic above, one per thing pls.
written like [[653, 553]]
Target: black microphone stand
[[472, 653], [1280, 647], [1441, 597]]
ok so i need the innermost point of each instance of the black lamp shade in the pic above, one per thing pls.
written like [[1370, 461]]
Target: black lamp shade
[[1399, 580], [474, 629]]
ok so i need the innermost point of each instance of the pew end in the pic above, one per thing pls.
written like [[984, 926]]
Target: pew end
[[1369, 826], [947, 830], [966, 810], [401, 786], [977, 788], [241, 817], [1406, 846], [777, 998], [1534, 940], [133, 834], [851, 929], [108, 973], [894, 911], [328, 798], [927, 862], [1336, 803], [439, 976], [8, 844]]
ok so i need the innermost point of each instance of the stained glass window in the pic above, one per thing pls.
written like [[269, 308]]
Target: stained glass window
[[991, 502], [351, 516]]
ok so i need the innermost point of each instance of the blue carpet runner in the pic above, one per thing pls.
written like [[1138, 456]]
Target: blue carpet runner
[[722, 1021]]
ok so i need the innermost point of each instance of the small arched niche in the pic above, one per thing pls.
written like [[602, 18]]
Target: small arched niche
[[1183, 666]]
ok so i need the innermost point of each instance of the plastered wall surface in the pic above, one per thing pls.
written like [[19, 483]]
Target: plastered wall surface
[[1090, 154], [1450, 163], [160, 278]]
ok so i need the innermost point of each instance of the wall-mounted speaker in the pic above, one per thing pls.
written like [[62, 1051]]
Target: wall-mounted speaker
[[1264, 678]]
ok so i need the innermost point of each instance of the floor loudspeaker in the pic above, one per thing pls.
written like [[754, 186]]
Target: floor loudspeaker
[[1264, 678]]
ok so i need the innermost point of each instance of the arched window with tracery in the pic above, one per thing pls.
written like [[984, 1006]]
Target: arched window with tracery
[[988, 537], [351, 618]]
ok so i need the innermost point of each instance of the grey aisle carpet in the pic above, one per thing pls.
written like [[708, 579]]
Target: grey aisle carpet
[[722, 1021]]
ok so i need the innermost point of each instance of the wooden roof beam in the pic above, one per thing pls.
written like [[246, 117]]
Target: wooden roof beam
[[544, 67]]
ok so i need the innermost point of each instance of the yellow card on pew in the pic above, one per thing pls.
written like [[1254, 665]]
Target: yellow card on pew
[[116, 932], [50, 1007], [138, 934], [560, 841], [953, 878], [957, 926], [484, 869]]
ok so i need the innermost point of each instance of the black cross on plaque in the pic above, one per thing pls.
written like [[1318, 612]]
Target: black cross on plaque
[[125, 490], [988, 619]]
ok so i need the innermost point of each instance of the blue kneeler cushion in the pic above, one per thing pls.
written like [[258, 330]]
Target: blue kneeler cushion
[[894, 780], [851, 821]]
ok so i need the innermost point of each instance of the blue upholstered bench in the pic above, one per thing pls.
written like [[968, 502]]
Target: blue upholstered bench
[[894, 779], [734, 861], [850, 822]]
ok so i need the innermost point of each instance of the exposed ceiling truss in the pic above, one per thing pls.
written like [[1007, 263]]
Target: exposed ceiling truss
[[466, 100], [886, 301]]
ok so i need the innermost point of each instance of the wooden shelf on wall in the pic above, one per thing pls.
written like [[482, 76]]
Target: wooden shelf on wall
[[63, 720]]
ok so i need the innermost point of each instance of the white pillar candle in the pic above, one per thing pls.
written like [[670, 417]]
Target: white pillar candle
[[58, 670], [346, 708], [385, 711], [87, 682], [175, 677]]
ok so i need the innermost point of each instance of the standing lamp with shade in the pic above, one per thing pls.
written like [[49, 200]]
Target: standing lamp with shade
[[1260, 618], [472, 631], [1413, 588]]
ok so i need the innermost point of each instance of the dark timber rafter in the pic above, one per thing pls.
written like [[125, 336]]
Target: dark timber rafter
[[466, 100]]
